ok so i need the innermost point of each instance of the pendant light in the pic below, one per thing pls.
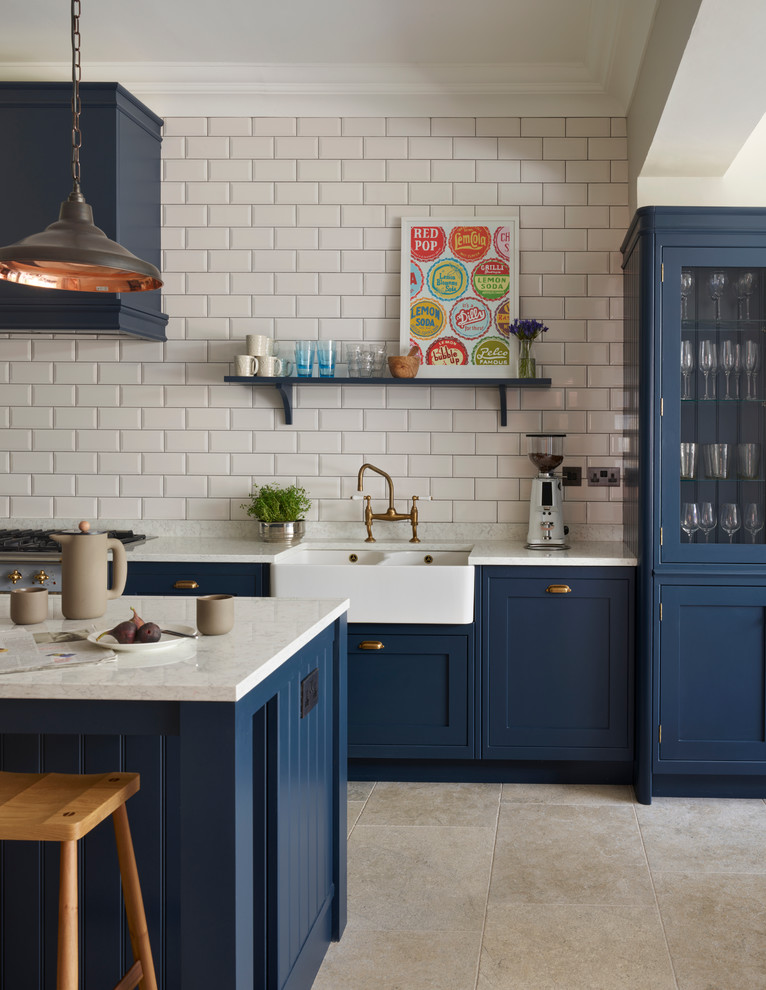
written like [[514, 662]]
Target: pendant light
[[73, 253]]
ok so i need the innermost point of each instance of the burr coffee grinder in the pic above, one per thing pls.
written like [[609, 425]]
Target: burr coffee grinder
[[546, 521]]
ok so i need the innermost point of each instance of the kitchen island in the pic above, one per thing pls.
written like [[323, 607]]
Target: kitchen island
[[239, 826]]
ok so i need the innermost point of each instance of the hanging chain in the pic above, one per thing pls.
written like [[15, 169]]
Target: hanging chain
[[76, 74]]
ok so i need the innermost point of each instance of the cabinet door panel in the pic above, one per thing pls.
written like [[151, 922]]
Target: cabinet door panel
[[189, 578], [712, 696], [413, 698], [557, 669]]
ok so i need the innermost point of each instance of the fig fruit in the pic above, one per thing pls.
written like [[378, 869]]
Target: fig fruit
[[137, 618], [148, 632], [123, 632]]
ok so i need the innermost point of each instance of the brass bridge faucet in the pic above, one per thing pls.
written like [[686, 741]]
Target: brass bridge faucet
[[390, 515]]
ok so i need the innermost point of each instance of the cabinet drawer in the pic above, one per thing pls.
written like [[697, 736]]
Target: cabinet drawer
[[185, 578]]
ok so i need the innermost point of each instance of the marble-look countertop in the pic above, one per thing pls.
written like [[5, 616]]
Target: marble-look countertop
[[267, 631], [496, 552]]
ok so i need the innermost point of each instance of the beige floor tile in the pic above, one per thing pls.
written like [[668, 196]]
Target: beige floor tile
[[716, 929], [568, 793], [433, 804], [562, 947], [565, 854], [694, 848], [418, 878], [685, 812], [354, 810], [401, 961], [359, 790]]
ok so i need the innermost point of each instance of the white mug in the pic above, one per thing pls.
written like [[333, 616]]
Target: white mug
[[258, 344], [245, 365], [269, 367]]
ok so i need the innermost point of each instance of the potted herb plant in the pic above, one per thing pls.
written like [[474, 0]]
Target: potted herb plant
[[280, 511]]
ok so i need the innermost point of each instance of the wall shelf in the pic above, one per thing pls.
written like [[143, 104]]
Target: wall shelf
[[285, 386]]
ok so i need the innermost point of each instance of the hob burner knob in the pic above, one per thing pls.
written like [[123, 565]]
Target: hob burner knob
[[14, 576], [40, 578]]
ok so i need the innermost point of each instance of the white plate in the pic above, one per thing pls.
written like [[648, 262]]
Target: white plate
[[163, 643]]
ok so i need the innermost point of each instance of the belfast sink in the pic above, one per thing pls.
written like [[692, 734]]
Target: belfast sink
[[412, 586]]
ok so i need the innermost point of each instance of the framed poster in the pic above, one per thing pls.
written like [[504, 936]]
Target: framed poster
[[459, 295]]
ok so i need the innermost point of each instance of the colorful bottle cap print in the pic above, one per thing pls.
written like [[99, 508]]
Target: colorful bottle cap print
[[427, 243], [427, 318], [491, 278], [470, 243], [503, 242], [470, 318], [447, 279], [503, 319], [416, 280], [447, 350], [491, 350]]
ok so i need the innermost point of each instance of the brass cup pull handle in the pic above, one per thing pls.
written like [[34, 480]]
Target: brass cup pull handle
[[186, 585], [370, 644], [558, 589]]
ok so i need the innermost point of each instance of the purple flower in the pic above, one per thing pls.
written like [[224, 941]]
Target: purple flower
[[527, 329]]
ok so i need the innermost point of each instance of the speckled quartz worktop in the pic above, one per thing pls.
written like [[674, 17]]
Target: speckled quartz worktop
[[495, 552], [267, 631]]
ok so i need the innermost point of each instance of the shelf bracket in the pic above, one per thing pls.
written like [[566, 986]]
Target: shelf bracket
[[503, 404], [285, 390]]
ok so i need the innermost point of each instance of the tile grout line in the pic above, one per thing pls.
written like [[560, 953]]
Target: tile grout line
[[489, 884], [656, 900]]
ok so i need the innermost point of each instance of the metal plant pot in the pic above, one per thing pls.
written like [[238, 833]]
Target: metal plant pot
[[282, 532]]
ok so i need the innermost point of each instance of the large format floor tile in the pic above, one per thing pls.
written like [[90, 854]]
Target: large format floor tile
[[568, 793], [418, 878], [562, 947], [433, 804], [716, 929], [568, 854]]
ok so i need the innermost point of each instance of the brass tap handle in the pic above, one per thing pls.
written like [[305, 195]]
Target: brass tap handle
[[414, 519], [41, 577], [368, 518], [14, 576]]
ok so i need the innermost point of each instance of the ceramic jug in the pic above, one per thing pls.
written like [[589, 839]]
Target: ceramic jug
[[84, 591]]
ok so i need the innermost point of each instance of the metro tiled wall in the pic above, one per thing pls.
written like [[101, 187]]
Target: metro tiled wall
[[290, 226]]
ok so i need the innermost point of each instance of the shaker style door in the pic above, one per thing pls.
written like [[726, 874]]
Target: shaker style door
[[713, 397]]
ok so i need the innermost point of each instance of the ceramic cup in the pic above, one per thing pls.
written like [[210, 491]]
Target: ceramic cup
[[269, 367], [215, 614], [29, 605], [245, 365], [258, 344]]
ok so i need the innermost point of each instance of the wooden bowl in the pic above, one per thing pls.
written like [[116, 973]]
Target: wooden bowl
[[405, 365]]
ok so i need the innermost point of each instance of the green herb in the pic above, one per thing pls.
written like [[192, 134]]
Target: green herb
[[278, 503]]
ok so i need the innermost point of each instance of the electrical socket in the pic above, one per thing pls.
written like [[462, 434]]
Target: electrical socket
[[603, 477], [571, 476]]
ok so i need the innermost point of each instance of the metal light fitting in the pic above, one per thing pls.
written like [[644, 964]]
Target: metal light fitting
[[73, 253]]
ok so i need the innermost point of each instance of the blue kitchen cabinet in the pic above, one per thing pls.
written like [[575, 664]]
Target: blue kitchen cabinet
[[711, 698], [410, 692], [189, 578], [557, 663], [695, 494]]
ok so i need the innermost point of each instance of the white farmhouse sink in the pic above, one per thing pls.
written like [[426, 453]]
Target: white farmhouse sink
[[435, 586]]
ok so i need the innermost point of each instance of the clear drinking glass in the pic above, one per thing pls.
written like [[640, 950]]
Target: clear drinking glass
[[753, 519], [687, 287], [729, 519], [690, 520], [750, 361], [687, 365], [745, 287], [707, 519], [728, 357], [718, 283], [738, 366], [708, 361]]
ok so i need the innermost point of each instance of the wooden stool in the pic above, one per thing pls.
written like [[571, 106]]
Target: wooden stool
[[63, 807]]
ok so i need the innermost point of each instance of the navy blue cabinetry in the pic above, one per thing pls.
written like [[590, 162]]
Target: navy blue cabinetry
[[557, 663], [410, 691], [189, 578]]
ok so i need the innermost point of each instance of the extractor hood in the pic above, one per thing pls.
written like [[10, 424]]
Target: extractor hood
[[121, 173]]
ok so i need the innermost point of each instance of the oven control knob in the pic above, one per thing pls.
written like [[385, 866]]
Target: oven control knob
[[40, 578], [14, 576]]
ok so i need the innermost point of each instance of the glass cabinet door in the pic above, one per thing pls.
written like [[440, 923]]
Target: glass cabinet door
[[713, 353]]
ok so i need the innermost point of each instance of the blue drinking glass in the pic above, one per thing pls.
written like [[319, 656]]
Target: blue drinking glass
[[326, 354], [304, 358]]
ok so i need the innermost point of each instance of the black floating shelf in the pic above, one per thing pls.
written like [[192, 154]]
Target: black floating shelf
[[285, 386]]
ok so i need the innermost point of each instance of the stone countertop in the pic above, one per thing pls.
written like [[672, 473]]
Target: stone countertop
[[495, 552], [267, 631]]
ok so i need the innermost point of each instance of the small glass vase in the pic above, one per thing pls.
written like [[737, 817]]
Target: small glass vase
[[527, 364]]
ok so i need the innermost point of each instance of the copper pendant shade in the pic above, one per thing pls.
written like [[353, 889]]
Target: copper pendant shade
[[73, 253]]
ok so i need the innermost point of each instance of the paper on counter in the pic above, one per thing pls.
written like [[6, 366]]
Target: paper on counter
[[22, 651]]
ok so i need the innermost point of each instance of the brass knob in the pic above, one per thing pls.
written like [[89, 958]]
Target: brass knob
[[40, 578], [186, 585], [14, 576], [558, 589], [428, 559], [353, 557], [371, 644]]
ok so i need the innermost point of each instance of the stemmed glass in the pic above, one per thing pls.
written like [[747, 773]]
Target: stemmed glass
[[687, 286], [690, 520], [718, 283], [729, 519], [753, 519], [708, 359], [707, 519], [751, 364], [738, 363], [687, 364], [745, 286], [728, 357]]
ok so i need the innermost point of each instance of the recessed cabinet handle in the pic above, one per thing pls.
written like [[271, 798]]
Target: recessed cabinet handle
[[186, 585], [558, 589], [370, 644]]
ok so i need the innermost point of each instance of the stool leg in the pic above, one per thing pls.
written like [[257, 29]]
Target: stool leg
[[67, 963], [134, 902]]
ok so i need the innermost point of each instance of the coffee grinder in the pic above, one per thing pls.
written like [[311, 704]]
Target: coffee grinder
[[546, 522]]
